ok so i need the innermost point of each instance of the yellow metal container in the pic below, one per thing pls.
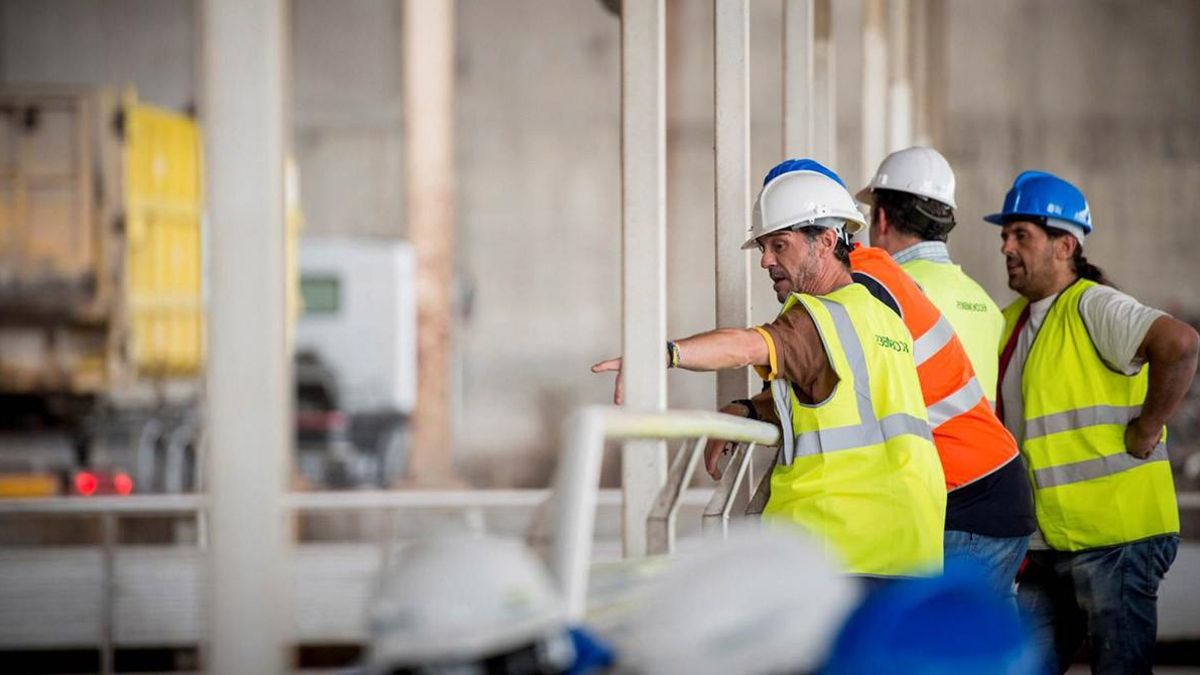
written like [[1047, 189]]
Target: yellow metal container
[[102, 294], [162, 255], [100, 245]]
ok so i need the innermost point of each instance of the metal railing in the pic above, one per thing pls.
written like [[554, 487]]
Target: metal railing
[[661, 523], [97, 588], [573, 500], [577, 482]]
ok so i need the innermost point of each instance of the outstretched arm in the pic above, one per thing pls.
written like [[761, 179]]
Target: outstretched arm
[[723, 349], [720, 349]]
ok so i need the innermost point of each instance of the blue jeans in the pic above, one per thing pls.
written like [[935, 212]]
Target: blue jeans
[[1108, 596], [1000, 556]]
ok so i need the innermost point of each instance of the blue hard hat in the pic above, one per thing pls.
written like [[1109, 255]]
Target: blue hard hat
[[1039, 194], [955, 623], [593, 654], [789, 165]]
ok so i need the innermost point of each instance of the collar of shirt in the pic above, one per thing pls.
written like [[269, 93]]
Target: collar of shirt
[[933, 251], [1038, 311]]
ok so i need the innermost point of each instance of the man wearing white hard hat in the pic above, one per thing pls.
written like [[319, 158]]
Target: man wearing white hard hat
[[912, 213], [467, 605], [989, 509], [857, 467]]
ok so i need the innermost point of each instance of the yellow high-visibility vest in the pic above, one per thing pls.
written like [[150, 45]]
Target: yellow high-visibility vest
[[1087, 490], [969, 309], [859, 470]]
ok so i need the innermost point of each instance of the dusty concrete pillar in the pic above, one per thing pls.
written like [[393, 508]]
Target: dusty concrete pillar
[[824, 147], [875, 89], [249, 366], [429, 137], [918, 63], [731, 157], [643, 252], [797, 78], [936, 69], [899, 99]]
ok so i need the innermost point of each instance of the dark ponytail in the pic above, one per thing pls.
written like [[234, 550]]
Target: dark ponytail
[[1079, 262], [1087, 270]]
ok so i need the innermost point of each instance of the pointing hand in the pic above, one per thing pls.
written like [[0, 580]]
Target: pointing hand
[[609, 366]]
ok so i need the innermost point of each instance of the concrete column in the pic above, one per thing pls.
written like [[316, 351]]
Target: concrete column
[[937, 71], [900, 103], [249, 368], [731, 156], [875, 90], [797, 78], [644, 253], [429, 137], [918, 66], [824, 148]]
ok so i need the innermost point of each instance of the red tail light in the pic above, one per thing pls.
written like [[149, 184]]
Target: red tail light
[[86, 483], [123, 484], [321, 420]]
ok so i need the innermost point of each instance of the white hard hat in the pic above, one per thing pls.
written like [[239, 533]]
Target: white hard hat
[[800, 198], [759, 602], [458, 600], [917, 170]]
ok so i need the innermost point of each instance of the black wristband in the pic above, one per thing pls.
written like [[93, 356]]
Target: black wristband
[[750, 409]]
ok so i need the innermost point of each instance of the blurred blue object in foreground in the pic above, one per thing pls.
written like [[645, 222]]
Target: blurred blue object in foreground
[[955, 623], [592, 654]]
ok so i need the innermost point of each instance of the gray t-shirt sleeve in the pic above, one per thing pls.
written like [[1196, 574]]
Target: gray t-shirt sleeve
[[1118, 324]]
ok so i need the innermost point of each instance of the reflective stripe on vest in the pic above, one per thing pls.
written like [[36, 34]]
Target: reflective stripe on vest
[[1088, 469], [958, 403], [1080, 418], [933, 341], [976, 319], [869, 431]]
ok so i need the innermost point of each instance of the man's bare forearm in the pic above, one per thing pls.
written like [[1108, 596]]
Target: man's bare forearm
[[1171, 352], [723, 349]]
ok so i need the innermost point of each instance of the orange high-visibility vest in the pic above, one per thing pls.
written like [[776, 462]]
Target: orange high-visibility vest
[[970, 439]]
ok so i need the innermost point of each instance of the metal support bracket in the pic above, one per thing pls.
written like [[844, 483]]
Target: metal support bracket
[[716, 514], [660, 524]]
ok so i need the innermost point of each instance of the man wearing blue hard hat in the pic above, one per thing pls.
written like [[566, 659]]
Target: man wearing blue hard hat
[[1088, 377]]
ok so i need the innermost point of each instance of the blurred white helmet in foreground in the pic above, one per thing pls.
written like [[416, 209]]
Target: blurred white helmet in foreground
[[450, 604], [759, 602]]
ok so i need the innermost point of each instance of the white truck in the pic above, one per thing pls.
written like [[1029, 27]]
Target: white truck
[[357, 359]]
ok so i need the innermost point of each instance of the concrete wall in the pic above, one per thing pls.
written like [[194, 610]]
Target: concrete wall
[[346, 115], [539, 233], [1104, 91], [145, 43]]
